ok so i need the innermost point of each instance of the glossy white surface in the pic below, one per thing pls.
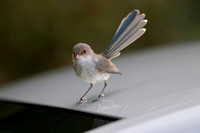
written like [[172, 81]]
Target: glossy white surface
[[182, 121], [155, 82]]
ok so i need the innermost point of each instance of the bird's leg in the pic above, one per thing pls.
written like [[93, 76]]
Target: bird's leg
[[101, 94], [83, 98]]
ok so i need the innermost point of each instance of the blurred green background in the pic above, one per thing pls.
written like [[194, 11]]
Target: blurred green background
[[37, 36]]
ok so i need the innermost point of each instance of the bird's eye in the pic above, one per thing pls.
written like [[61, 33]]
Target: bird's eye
[[84, 51]]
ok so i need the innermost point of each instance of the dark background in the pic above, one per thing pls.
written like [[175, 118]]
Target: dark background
[[37, 36]]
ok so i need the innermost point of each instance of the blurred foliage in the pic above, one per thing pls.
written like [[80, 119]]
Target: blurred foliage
[[39, 35]]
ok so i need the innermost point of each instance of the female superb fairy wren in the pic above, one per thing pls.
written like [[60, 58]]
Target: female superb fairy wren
[[92, 67]]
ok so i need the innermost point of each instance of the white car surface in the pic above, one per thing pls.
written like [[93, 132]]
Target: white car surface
[[158, 92]]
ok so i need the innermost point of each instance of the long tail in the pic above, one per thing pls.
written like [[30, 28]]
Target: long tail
[[130, 29]]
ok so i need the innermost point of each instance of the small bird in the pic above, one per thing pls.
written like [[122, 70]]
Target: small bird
[[92, 67]]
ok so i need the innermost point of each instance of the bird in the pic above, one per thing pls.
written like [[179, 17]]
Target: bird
[[93, 68]]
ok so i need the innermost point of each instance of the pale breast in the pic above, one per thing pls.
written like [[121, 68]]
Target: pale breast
[[86, 70]]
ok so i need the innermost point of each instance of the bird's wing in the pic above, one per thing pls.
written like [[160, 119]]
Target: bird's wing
[[103, 65], [130, 29]]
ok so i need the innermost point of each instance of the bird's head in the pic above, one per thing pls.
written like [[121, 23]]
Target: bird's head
[[81, 50]]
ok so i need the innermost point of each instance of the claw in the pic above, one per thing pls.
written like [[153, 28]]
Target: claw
[[82, 100], [101, 96]]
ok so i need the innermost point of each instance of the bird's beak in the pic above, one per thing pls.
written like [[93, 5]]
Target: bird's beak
[[77, 56]]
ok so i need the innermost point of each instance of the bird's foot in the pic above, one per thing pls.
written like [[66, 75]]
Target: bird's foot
[[82, 100], [101, 96]]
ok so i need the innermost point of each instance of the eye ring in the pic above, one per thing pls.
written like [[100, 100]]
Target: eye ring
[[84, 51]]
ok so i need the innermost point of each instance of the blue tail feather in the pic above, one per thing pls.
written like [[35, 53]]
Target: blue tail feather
[[129, 30]]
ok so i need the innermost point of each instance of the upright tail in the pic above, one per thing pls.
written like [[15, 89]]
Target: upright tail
[[130, 29]]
